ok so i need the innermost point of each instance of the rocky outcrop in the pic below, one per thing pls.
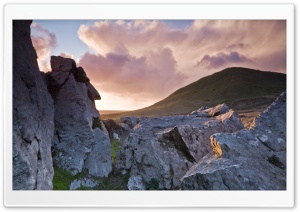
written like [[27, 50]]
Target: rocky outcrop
[[246, 160], [33, 115], [159, 151], [81, 140]]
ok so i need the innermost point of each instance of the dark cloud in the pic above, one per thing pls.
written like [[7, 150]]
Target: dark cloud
[[220, 59]]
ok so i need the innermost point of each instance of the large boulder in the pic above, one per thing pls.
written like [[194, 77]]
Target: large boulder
[[159, 151], [246, 160], [81, 140], [33, 115]]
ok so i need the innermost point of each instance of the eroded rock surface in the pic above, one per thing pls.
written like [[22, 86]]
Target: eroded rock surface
[[246, 160], [81, 140], [33, 115], [163, 149]]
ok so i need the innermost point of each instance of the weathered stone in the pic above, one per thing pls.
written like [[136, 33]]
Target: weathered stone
[[93, 92], [130, 121], [59, 63], [86, 183], [247, 159], [76, 119], [98, 162], [135, 183], [33, 114], [164, 148]]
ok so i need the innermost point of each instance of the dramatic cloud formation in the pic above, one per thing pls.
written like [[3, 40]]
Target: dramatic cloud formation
[[150, 76], [135, 63], [150, 59], [43, 42]]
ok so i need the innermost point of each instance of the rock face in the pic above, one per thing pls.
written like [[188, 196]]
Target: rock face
[[81, 140], [33, 115], [246, 160], [159, 151]]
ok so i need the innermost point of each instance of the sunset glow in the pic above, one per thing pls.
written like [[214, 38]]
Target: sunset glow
[[134, 64]]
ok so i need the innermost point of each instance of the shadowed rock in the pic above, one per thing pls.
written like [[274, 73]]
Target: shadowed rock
[[81, 138], [33, 115], [162, 149]]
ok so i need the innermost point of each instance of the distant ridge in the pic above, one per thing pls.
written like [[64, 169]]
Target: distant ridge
[[231, 86]]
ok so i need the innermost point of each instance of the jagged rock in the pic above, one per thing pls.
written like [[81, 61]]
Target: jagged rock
[[85, 183], [246, 160], [163, 149], [33, 114], [211, 112], [99, 162], [62, 64], [93, 92], [76, 120], [136, 183], [130, 121]]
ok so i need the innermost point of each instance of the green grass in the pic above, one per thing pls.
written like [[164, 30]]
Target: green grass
[[152, 185], [230, 86], [114, 182], [115, 147], [62, 178]]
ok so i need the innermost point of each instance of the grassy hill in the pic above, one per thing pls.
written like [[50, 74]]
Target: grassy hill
[[242, 89]]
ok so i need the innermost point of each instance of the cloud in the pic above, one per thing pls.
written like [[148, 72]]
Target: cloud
[[43, 42], [221, 59], [66, 55], [144, 58], [151, 76]]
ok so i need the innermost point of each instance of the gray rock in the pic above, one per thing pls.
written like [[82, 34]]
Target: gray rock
[[211, 112], [116, 136], [164, 148], [33, 114], [93, 91], [85, 182], [76, 118], [99, 162], [125, 127], [135, 183], [247, 159], [59, 63], [130, 121]]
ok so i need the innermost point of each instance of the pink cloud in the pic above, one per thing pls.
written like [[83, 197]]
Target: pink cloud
[[223, 59], [66, 55], [145, 59], [150, 76], [43, 42]]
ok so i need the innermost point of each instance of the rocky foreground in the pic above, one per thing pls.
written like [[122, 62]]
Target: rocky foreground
[[56, 127]]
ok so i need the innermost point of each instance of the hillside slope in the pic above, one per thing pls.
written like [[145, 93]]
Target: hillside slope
[[240, 88]]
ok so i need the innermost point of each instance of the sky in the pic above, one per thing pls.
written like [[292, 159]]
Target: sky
[[136, 63]]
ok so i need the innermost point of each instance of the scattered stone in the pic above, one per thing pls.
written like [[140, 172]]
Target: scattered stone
[[162, 149], [239, 161], [86, 183]]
